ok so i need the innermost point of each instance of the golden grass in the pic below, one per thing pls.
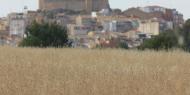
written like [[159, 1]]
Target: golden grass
[[28, 71]]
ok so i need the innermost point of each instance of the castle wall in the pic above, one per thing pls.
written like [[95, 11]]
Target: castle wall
[[77, 5]]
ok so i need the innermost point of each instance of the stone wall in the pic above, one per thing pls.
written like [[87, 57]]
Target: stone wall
[[76, 5]]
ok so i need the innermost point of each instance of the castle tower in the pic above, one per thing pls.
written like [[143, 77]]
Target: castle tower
[[41, 2]]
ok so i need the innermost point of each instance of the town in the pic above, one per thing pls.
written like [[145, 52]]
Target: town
[[92, 23]]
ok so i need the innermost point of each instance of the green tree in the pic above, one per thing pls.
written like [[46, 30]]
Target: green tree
[[166, 40], [123, 45], [45, 35], [186, 34]]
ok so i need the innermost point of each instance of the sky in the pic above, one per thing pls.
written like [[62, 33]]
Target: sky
[[7, 6]]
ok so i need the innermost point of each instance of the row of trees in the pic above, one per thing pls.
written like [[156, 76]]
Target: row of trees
[[177, 38]]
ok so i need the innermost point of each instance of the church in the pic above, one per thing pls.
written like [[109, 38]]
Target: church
[[75, 5]]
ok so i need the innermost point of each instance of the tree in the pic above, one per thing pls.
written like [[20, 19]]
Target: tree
[[45, 35], [166, 40], [123, 45], [186, 34]]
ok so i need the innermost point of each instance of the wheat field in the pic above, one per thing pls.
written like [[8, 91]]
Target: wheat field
[[33, 71]]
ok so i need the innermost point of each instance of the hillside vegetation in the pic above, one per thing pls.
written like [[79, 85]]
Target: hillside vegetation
[[31, 71]]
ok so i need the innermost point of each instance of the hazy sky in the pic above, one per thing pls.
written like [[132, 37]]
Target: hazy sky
[[182, 6]]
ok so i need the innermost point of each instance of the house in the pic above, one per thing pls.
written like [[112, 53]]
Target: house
[[151, 27], [86, 20], [77, 30], [120, 26], [17, 24], [3, 24]]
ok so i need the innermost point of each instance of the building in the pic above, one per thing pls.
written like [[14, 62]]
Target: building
[[30, 16], [16, 24], [86, 20], [177, 18], [77, 30], [75, 5], [3, 24], [112, 18], [150, 27], [3, 31], [151, 9], [64, 20], [168, 18], [120, 25]]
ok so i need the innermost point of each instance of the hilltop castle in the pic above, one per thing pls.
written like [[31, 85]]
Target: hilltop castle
[[76, 5]]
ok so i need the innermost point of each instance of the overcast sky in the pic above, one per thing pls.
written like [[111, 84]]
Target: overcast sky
[[183, 6]]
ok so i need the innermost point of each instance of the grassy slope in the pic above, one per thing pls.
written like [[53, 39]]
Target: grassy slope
[[93, 72]]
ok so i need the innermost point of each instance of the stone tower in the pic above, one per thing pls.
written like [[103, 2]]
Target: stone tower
[[76, 5]]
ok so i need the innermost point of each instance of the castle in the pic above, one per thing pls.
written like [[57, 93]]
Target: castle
[[76, 5]]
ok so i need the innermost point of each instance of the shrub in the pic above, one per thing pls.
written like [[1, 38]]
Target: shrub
[[45, 35]]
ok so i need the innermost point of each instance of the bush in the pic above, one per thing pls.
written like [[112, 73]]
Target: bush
[[45, 35], [166, 40], [123, 45], [186, 35]]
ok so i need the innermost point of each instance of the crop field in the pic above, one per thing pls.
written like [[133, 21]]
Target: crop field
[[34, 71]]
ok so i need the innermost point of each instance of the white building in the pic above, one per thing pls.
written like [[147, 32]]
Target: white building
[[149, 27], [16, 24], [110, 26], [118, 26], [150, 9], [75, 30]]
